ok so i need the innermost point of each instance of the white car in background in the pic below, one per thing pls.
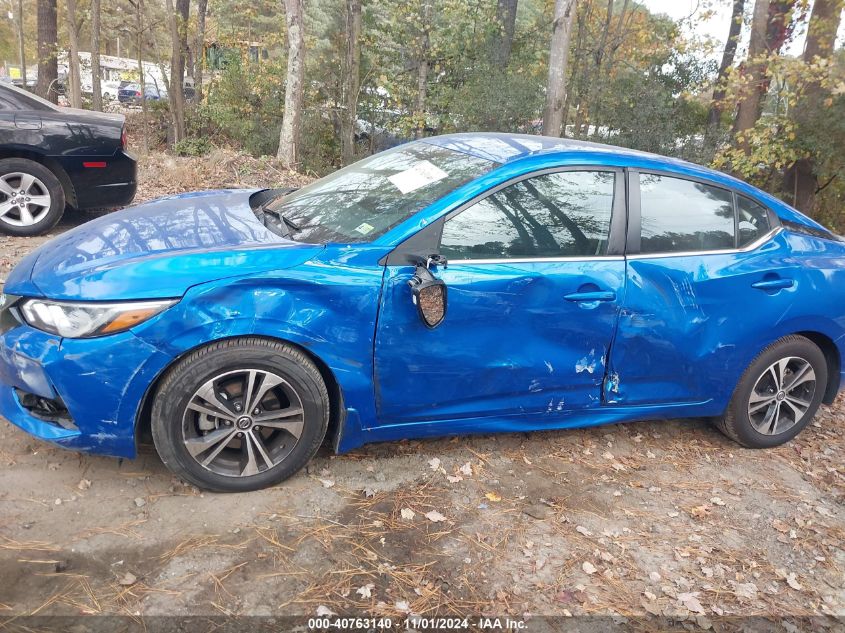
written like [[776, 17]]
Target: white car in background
[[108, 89]]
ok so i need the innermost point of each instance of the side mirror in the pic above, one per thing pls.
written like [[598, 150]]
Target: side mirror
[[429, 295]]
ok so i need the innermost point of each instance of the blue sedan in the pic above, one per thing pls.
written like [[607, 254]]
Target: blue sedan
[[458, 284]]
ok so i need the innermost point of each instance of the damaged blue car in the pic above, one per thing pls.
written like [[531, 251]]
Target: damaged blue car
[[456, 284]]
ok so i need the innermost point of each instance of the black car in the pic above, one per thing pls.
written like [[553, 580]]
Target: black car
[[51, 157]]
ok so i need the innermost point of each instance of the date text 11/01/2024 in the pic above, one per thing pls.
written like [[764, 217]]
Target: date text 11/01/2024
[[416, 624]]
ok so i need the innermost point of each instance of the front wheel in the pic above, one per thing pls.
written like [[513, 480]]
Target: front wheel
[[777, 395], [240, 414]]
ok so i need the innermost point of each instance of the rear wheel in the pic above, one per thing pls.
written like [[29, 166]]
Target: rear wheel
[[32, 200], [778, 395], [240, 414]]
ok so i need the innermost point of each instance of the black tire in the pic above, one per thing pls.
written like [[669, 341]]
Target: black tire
[[54, 188], [170, 407], [737, 423]]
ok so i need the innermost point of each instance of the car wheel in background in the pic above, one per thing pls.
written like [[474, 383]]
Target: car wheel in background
[[32, 200], [240, 414], [777, 395]]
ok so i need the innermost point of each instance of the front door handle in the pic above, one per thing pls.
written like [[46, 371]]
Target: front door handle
[[598, 295], [773, 284]]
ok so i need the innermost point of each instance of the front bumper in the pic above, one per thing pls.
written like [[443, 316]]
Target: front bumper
[[101, 381]]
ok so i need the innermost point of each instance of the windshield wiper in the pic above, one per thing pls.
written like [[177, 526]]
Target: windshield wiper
[[290, 224]]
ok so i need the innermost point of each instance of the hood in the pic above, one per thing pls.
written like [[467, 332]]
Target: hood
[[157, 250]]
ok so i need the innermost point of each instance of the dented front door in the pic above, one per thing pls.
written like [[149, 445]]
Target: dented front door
[[519, 338]]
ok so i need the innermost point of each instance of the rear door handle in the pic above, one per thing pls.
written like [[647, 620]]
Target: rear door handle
[[599, 295], [773, 284]]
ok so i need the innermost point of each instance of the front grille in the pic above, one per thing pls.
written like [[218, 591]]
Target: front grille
[[49, 410]]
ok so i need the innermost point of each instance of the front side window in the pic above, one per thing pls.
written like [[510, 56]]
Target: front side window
[[562, 214], [681, 215], [753, 220], [368, 198]]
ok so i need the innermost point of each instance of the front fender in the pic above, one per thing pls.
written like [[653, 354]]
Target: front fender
[[328, 310]]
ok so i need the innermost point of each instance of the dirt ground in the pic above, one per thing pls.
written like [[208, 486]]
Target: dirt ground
[[633, 520]]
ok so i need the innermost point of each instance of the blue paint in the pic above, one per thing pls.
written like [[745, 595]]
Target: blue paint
[[639, 338]]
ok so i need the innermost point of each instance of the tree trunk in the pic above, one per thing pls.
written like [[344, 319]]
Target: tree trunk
[[139, 26], [606, 59], [505, 28], [558, 59], [95, 56], [581, 18], [422, 70], [48, 38], [178, 23], [199, 49], [352, 80], [770, 28], [753, 71], [728, 55], [21, 48], [800, 182], [292, 119], [73, 56]]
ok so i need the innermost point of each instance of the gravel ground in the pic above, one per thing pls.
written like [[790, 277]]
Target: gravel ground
[[635, 520]]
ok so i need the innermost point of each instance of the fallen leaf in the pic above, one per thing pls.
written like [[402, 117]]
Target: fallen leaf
[[780, 526], [588, 567], [366, 591], [403, 606], [691, 602], [466, 469], [324, 611], [327, 483], [493, 496], [128, 579], [434, 516], [747, 590], [434, 463], [792, 581], [84, 484], [582, 530], [699, 512], [453, 479], [717, 501], [407, 514]]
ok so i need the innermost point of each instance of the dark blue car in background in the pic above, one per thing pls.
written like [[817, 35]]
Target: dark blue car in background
[[458, 284]]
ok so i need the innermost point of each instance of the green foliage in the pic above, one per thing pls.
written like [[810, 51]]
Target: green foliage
[[193, 146], [246, 104]]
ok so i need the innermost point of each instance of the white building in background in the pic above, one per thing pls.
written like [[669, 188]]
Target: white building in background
[[116, 69]]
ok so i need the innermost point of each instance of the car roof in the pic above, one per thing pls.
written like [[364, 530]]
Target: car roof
[[503, 147]]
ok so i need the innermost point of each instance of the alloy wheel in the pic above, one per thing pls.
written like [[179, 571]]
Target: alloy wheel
[[242, 423], [24, 199], [782, 395]]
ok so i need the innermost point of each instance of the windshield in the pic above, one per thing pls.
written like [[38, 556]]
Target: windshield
[[368, 198]]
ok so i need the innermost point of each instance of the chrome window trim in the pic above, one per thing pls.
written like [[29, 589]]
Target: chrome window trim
[[727, 251], [540, 260]]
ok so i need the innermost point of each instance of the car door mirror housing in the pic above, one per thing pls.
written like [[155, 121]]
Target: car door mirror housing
[[429, 296]]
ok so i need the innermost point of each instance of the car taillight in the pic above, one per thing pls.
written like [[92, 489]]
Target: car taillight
[[137, 94], [123, 138]]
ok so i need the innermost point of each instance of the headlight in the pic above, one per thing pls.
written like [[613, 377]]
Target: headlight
[[83, 319]]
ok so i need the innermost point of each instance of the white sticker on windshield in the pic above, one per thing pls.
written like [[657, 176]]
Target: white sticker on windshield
[[364, 228], [422, 174]]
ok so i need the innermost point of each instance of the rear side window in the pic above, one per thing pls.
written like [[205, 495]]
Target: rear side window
[[563, 214], [681, 215], [753, 220]]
